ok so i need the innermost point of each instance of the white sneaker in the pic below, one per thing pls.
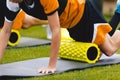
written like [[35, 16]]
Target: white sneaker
[[49, 33]]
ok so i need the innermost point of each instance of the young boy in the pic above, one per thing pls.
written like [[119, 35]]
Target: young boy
[[79, 16]]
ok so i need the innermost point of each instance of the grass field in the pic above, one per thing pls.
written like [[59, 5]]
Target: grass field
[[111, 72]]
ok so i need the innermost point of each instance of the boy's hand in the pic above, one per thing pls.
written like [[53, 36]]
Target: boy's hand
[[47, 70]]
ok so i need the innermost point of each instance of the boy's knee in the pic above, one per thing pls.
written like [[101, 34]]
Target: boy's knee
[[109, 52]]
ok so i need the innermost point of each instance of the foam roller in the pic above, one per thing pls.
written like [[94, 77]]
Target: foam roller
[[86, 52], [14, 38], [65, 35]]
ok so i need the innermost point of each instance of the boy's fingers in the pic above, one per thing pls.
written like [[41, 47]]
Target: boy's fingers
[[46, 71]]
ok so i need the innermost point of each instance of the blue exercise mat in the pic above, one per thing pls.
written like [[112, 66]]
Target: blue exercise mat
[[29, 42], [29, 68]]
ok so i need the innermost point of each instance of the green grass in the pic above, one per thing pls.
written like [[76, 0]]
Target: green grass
[[111, 72], [34, 31], [19, 54], [108, 17]]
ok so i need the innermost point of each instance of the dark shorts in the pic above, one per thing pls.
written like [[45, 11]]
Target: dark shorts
[[83, 31], [1, 13], [1, 19]]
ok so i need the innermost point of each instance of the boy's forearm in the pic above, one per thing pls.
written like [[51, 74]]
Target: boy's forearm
[[54, 49], [4, 37]]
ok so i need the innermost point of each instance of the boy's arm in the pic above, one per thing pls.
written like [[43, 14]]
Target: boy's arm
[[4, 37], [53, 21]]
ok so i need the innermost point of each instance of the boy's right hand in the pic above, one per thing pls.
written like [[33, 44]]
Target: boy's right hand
[[47, 70]]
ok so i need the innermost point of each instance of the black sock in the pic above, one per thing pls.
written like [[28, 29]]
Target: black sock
[[114, 22]]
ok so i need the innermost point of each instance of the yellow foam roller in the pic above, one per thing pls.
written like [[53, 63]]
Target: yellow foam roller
[[14, 38], [65, 35], [86, 52]]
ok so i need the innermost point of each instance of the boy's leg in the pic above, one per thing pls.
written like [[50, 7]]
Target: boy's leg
[[114, 22], [116, 18], [31, 21], [25, 21], [112, 44]]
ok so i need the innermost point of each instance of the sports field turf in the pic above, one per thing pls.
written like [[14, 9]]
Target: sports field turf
[[97, 73]]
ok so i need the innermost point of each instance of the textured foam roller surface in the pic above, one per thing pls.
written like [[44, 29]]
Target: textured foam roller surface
[[87, 52]]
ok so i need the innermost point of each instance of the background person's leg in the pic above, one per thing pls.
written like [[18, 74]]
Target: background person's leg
[[31, 21]]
